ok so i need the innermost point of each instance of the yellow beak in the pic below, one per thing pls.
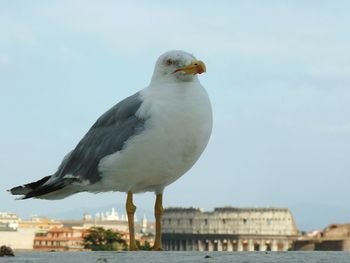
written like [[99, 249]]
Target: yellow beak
[[196, 67]]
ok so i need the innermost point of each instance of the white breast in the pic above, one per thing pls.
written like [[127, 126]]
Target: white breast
[[175, 135]]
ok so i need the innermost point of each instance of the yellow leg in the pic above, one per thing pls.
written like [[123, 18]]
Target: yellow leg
[[130, 210], [158, 212]]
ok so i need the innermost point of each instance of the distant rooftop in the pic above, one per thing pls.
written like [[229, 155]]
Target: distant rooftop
[[227, 209], [182, 209], [247, 209]]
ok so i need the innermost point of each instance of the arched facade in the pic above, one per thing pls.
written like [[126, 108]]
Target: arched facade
[[228, 229]]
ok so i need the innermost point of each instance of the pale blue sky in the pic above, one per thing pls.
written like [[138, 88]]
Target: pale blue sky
[[278, 77]]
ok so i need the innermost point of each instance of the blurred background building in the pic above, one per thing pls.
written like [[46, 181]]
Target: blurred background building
[[229, 229], [335, 237], [45, 234]]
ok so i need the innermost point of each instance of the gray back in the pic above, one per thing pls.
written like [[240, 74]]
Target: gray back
[[107, 136]]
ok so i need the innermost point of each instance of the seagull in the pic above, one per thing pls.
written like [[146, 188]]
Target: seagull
[[142, 144]]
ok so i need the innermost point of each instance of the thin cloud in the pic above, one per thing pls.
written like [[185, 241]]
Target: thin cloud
[[65, 54], [5, 60]]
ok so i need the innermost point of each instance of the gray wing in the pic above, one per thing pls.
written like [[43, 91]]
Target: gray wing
[[107, 136]]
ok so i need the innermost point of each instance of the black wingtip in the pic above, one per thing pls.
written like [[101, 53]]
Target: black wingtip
[[18, 190], [27, 188]]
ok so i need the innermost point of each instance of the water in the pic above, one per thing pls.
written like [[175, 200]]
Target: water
[[180, 257]]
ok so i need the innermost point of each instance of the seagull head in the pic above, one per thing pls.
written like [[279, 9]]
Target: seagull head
[[177, 65]]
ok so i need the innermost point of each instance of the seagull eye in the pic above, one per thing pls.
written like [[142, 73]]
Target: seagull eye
[[169, 62]]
